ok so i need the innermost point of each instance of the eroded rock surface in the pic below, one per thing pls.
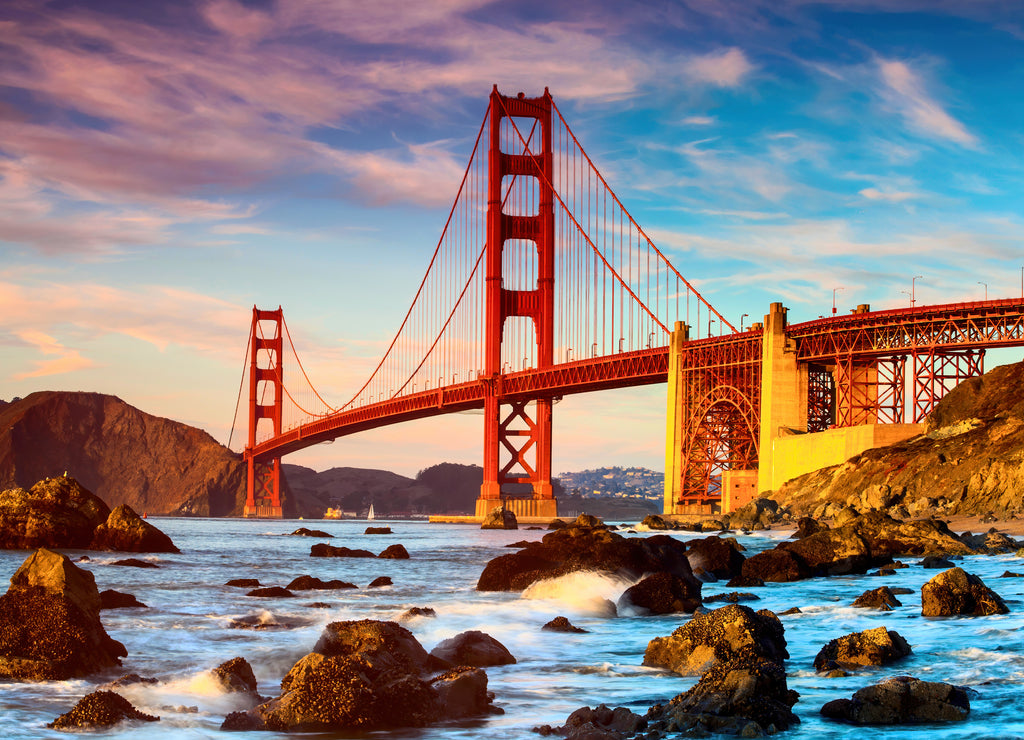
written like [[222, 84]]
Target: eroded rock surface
[[901, 700], [662, 593], [957, 592], [100, 709], [50, 625], [472, 648], [719, 636], [877, 646], [126, 531]]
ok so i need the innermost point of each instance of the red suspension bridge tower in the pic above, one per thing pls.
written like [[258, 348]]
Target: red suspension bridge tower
[[514, 428]]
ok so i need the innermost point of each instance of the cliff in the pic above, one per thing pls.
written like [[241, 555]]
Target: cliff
[[969, 462], [123, 455]]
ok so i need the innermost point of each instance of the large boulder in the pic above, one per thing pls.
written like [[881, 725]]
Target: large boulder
[[881, 598], [126, 531], [599, 723], [236, 677], [716, 637], [99, 709], [579, 548], [55, 512], [472, 648], [323, 550], [366, 675], [720, 557], [902, 700], [50, 625], [877, 646], [758, 514], [957, 592], [662, 593], [728, 697]]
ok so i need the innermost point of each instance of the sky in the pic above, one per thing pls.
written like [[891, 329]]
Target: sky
[[166, 165]]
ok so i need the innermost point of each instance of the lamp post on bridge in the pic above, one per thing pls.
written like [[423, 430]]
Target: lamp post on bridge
[[909, 295], [747, 314], [913, 296], [834, 298], [986, 289]]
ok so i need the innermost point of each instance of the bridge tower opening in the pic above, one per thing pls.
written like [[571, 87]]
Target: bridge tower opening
[[517, 431], [266, 384]]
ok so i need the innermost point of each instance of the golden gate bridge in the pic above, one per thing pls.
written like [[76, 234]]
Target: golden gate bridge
[[543, 285]]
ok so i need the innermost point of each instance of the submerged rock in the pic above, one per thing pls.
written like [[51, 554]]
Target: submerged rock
[[100, 709], [719, 636], [562, 624], [323, 550], [306, 532], [957, 592], [272, 592], [111, 599], [395, 552], [380, 581], [880, 598], [378, 530], [311, 583], [472, 648], [902, 700], [877, 646], [599, 723], [50, 626]]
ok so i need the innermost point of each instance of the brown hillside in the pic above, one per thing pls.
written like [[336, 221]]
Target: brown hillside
[[969, 462], [122, 454]]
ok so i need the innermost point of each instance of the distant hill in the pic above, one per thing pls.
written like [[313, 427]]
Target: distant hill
[[120, 453]]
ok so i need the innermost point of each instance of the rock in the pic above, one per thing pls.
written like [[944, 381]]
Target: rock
[[865, 541], [417, 611], [1011, 574], [656, 522], [935, 561], [366, 676], [309, 583], [236, 676], [134, 563], [718, 637], [742, 581], [380, 581], [758, 514], [50, 625], [111, 599], [877, 646], [323, 550], [472, 648], [306, 532], [880, 598], [55, 512], [599, 723], [272, 592], [243, 722], [732, 597], [462, 692], [126, 531], [956, 592], [378, 530], [396, 552], [578, 548], [806, 526], [500, 518], [901, 700], [557, 524], [562, 624], [100, 709], [244, 582], [130, 679], [729, 696], [587, 520], [265, 620], [662, 593], [722, 557], [791, 610]]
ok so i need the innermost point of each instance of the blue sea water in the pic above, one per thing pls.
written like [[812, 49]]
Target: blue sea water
[[187, 630]]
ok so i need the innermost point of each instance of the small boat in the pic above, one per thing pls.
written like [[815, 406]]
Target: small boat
[[370, 516]]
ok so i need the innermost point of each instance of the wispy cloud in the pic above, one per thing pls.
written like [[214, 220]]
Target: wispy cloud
[[61, 359], [889, 196], [905, 90], [724, 68], [700, 121]]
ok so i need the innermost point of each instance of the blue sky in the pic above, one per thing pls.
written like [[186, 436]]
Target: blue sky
[[166, 165]]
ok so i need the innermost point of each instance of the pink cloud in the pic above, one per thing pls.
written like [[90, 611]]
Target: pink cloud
[[905, 91], [66, 360], [724, 68]]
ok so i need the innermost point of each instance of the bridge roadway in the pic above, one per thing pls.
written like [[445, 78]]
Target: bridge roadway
[[896, 332]]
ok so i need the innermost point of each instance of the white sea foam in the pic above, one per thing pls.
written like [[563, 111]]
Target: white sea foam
[[582, 592]]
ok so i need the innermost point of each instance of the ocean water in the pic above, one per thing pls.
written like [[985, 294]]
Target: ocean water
[[187, 630]]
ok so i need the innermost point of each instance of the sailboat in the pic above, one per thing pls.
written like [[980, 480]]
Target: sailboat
[[370, 516]]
